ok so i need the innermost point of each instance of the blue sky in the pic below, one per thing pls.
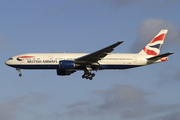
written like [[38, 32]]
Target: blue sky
[[150, 92]]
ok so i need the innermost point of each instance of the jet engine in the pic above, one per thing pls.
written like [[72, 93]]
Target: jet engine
[[65, 72], [66, 64]]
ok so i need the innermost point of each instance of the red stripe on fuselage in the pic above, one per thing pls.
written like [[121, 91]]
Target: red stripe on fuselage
[[26, 57]]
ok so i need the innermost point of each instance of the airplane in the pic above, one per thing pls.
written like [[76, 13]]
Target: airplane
[[68, 63]]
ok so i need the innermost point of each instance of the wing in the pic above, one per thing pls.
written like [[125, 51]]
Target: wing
[[98, 55]]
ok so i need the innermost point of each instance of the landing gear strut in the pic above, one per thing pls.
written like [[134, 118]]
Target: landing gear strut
[[19, 70]]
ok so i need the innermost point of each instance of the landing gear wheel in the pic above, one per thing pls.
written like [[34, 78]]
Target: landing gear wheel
[[20, 74], [83, 76], [88, 74], [90, 78], [87, 77], [93, 74]]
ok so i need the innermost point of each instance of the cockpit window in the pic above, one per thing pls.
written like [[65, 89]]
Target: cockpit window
[[10, 59]]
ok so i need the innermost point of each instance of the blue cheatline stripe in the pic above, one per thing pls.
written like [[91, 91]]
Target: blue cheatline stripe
[[117, 66], [36, 66], [19, 59], [101, 67]]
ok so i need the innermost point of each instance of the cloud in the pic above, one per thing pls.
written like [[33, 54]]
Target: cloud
[[15, 105], [150, 27], [7, 111], [33, 98], [120, 96], [122, 101], [80, 103], [171, 116], [76, 112]]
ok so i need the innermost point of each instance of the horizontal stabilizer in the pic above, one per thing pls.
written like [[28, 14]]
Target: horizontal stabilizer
[[160, 56]]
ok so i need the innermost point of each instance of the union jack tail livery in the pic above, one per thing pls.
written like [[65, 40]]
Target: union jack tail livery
[[153, 48]]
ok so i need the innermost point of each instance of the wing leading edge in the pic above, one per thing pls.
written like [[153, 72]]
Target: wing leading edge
[[98, 55]]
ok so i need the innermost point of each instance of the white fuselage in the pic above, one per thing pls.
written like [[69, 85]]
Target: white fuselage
[[51, 60]]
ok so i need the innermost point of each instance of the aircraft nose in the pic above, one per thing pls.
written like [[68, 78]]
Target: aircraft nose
[[7, 62]]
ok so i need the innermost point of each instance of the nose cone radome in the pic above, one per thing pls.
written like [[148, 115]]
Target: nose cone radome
[[7, 62]]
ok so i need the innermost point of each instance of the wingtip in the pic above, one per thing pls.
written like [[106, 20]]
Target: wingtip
[[120, 41], [171, 52]]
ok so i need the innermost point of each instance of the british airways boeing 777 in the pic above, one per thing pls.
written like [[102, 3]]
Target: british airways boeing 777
[[68, 63]]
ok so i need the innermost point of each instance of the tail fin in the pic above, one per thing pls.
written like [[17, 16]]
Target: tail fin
[[154, 46]]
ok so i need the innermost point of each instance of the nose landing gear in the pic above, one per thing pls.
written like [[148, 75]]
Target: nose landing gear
[[19, 70], [20, 74]]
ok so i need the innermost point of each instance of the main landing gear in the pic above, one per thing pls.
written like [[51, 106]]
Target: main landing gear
[[19, 70], [88, 75]]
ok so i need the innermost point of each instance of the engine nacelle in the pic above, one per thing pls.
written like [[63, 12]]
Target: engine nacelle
[[65, 72], [66, 64]]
